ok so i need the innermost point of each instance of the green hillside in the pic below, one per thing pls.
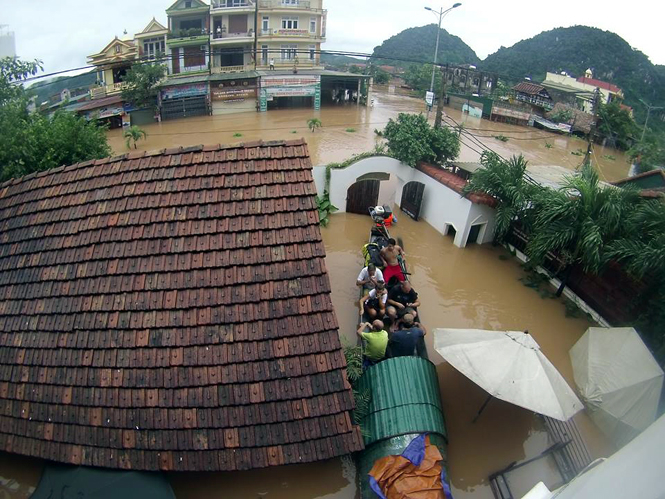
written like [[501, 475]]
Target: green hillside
[[45, 89], [340, 61], [577, 48], [417, 45]]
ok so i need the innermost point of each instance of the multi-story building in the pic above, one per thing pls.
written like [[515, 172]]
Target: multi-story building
[[231, 56]]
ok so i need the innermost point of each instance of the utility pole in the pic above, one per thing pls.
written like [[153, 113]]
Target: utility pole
[[256, 33], [442, 96], [594, 127], [646, 122]]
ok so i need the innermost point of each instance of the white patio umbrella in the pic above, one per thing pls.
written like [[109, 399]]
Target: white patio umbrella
[[510, 366], [618, 379]]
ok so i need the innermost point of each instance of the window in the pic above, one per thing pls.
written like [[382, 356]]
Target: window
[[188, 5], [265, 24], [289, 52], [312, 52], [312, 25], [118, 49], [289, 23], [153, 47], [289, 2], [191, 24]]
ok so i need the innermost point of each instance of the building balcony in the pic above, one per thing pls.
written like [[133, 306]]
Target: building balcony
[[300, 34], [221, 37], [286, 63], [303, 5], [232, 6], [231, 69], [99, 92], [187, 37]]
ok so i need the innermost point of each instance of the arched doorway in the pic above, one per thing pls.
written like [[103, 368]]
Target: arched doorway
[[412, 199], [361, 195]]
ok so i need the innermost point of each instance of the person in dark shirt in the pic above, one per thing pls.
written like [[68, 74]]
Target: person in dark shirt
[[404, 341], [403, 296]]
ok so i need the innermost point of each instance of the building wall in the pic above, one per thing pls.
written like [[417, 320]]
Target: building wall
[[442, 207], [7, 44]]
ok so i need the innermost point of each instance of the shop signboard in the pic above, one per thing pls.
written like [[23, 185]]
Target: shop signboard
[[180, 91], [233, 90]]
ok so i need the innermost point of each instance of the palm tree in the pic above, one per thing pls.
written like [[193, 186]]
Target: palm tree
[[577, 223], [133, 134], [314, 123], [506, 182]]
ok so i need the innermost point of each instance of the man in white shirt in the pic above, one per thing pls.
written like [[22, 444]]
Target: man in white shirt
[[374, 303], [369, 277]]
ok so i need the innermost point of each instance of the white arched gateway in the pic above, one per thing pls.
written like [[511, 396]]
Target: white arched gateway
[[383, 180]]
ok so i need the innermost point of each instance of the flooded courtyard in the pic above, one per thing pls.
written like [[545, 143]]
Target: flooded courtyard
[[349, 129]]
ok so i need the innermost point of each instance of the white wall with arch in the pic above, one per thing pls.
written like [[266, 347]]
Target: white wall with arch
[[442, 207]]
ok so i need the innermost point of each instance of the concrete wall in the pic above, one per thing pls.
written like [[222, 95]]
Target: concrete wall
[[442, 207]]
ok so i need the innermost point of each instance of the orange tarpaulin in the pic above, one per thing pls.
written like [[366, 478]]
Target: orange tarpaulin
[[399, 478]]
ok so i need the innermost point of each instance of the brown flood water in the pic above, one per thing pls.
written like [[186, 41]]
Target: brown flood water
[[333, 143]]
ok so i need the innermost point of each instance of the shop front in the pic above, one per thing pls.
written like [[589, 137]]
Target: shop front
[[285, 91], [110, 111], [233, 96], [184, 100]]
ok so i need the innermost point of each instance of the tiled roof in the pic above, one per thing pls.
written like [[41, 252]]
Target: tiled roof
[[97, 103], [528, 88], [170, 311], [455, 182], [600, 84]]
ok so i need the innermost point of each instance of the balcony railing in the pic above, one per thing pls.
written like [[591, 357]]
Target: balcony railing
[[192, 33], [106, 90], [291, 33], [230, 69], [230, 6], [279, 4], [220, 35]]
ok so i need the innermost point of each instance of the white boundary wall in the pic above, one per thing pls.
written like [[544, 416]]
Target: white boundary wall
[[442, 207]]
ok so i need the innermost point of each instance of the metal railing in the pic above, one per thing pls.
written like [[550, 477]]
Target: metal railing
[[224, 5], [104, 90]]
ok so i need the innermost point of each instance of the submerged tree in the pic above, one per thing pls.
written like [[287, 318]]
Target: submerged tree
[[142, 80], [411, 139], [314, 123], [506, 182], [133, 134], [577, 222]]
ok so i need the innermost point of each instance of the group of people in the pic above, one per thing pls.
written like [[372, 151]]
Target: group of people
[[394, 330]]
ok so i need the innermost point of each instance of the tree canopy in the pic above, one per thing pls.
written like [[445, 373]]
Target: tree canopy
[[142, 80], [411, 139], [616, 124], [33, 142]]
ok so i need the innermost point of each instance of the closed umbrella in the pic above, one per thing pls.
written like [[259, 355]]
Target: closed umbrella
[[619, 380], [509, 366]]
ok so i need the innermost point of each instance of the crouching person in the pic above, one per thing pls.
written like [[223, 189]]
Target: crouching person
[[404, 341], [375, 342]]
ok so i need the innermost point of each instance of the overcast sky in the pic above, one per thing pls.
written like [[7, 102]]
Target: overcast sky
[[62, 33]]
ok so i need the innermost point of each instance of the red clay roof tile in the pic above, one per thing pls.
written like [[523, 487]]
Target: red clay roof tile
[[170, 311]]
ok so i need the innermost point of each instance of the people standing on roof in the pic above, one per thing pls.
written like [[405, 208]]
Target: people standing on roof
[[404, 298], [391, 255], [374, 303], [368, 277], [375, 340], [404, 341]]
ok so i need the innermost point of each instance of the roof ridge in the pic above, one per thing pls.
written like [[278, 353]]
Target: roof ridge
[[155, 152]]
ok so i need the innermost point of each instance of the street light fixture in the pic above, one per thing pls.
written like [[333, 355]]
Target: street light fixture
[[441, 13], [646, 122]]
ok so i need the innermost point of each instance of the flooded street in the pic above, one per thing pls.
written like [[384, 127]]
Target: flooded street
[[336, 142], [469, 288], [458, 288]]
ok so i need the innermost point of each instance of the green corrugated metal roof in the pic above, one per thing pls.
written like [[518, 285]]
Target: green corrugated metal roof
[[404, 399]]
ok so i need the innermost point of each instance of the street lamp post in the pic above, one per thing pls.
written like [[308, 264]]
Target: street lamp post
[[646, 122], [441, 13]]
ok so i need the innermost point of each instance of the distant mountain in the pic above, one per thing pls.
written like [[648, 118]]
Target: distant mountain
[[418, 44], [578, 48], [340, 61], [46, 89]]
